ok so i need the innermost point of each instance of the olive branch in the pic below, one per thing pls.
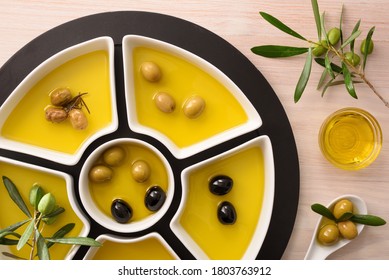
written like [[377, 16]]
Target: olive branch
[[45, 213], [329, 51]]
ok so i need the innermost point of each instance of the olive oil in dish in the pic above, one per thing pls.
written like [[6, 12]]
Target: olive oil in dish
[[350, 138], [200, 218]]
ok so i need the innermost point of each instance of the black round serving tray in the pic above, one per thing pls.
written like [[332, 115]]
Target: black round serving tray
[[206, 45]]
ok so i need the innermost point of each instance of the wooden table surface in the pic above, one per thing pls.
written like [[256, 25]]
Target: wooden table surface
[[239, 23]]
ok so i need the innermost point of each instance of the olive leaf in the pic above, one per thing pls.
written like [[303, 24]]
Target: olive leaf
[[348, 81], [15, 196], [15, 226], [341, 24], [277, 23], [328, 66], [367, 44], [334, 67], [43, 250], [26, 235], [12, 256], [351, 38], [369, 220], [322, 79], [356, 27], [61, 233], [7, 241], [346, 216], [54, 213], [322, 210], [76, 241], [304, 77], [272, 51], [323, 27], [316, 13]]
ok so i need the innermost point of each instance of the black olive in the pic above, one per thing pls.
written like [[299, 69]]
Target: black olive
[[220, 185], [226, 213], [155, 197], [121, 211]]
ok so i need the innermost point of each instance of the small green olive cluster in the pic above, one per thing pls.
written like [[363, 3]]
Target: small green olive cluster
[[330, 231], [44, 203], [333, 36]]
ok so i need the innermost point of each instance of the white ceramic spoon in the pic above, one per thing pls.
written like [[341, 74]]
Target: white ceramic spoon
[[317, 251]]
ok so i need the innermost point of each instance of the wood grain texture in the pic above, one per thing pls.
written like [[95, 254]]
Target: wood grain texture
[[239, 23]]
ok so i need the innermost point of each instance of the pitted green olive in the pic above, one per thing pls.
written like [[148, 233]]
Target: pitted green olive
[[328, 234], [140, 171], [370, 47], [348, 229], [151, 71], [100, 174], [341, 207], [193, 107], [333, 35], [114, 156], [164, 102], [353, 58]]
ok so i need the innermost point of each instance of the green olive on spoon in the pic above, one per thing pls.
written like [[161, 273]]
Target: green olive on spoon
[[320, 251]]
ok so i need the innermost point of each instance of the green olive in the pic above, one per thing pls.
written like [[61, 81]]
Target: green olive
[[140, 171], [328, 234], [151, 71], [164, 102], [320, 48], [114, 156], [193, 107], [333, 36], [353, 58], [100, 174], [348, 229], [341, 207], [370, 47], [60, 96], [47, 204]]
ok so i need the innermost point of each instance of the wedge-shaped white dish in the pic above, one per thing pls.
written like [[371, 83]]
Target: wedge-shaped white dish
[[150, 254], [242, 204], [24, 169], [104, 44], [253, 120]]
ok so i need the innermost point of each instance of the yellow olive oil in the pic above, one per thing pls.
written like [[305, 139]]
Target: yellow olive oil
[[24, 178], [183, 80], [124, 186], [350, 139], [147, 249], [87, 73], [199, 218]]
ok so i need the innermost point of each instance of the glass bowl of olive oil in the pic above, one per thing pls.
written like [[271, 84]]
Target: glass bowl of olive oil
[[350, 138]]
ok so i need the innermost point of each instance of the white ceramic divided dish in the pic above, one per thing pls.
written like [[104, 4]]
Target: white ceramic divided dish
[[317, 251], [71, 196], [107, 221], [263, 142], [101, 43], [107, 237], [130, 42]]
